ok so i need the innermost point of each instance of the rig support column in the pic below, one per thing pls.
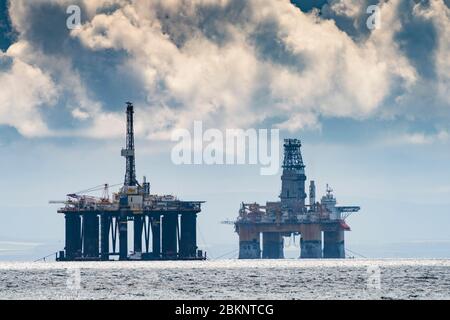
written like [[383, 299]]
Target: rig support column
[[311, 242], [333, 244], [156, 235], [73, 236], [123, 236], [105, 224], [272, 246], [188, 242], [169, 235], [138, 228], [90, 235], [249, 243]]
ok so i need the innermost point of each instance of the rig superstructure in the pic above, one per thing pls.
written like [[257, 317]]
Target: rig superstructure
[[166, 226], [292, 215]]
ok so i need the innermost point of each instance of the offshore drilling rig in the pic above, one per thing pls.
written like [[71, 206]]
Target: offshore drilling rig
[[292, 216], [93, 224]]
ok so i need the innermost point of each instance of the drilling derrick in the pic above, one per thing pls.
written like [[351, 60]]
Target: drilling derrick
[[293, 179], [129, 153]]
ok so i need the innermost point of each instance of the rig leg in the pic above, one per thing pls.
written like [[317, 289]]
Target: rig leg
[[73, 236], [272, 246], [249, 243], [123, 236], [147, 225], [138, 228], [156, 236], [311, 242], [90, 235], [188, 243], [333, 245], [114, 228], [169, 235], [105, 223]]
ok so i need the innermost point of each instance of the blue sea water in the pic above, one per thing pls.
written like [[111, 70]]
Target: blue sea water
[[228, 279]]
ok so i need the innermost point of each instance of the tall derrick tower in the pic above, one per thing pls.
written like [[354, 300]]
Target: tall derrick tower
[[293, 179], [129, 189], [128, 152]]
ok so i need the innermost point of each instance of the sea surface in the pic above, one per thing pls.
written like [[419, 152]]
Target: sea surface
[[228, 279]]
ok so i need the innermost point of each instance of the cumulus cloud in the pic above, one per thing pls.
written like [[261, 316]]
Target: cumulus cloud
[[25, 89], [420, 138], [439, 14], [349, 8], [219, 81], [229, 63]]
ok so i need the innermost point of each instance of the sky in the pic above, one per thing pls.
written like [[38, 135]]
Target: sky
[[371, 106]]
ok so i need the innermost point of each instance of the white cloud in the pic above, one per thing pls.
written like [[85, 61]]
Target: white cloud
[[349, 8], [105, 125], [77, 113], [420, 138], [24, 90], [439, 14], [300, 121], [230, 83], [218, 82]]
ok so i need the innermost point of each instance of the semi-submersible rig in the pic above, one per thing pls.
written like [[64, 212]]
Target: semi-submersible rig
[[292, 215], [93, 224]]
